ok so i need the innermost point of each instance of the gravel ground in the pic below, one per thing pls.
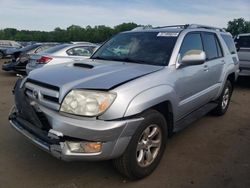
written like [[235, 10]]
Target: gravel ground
[[212, 152]]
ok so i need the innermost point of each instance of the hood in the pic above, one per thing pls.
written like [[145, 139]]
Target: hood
[[91, 74]]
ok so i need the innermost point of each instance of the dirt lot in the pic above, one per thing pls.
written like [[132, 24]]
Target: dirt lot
[[213, 152]]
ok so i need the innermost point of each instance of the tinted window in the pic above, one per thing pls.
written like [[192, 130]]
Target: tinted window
[[210, 46], [191, 42], [220, 54], [230, 43], [244, 41], [153, 48]]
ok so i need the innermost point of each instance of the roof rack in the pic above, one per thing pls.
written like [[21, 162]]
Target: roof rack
[[191, 26], [184, 26]]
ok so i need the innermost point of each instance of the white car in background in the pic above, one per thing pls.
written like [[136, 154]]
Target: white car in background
[[61, 54]]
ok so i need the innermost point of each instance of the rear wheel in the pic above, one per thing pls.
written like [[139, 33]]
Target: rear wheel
[[224, 100], [146, 147]]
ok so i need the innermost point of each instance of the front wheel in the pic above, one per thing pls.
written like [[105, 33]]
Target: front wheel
[[224, 100], [146, 147]]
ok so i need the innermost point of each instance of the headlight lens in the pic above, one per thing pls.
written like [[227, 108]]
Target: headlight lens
[[86, 102]]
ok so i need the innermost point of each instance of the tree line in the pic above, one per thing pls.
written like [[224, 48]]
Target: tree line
[[95, 34]]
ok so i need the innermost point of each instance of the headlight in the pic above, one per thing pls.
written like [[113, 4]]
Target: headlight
[[87, 102]]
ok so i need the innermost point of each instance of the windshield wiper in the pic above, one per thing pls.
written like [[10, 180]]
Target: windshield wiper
[[98, 57], [128, 60]]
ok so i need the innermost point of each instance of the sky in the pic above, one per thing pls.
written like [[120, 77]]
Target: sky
[[46, 15]]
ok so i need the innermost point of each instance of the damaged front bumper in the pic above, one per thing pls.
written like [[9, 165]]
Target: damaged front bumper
[[57, 133], [114, 136]]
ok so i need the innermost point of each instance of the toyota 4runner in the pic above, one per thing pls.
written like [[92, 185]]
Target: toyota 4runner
[[137, 89]]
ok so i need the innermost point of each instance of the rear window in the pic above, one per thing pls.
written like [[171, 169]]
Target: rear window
[[29, 48], [55, 48], [243, 41], [230, 43]]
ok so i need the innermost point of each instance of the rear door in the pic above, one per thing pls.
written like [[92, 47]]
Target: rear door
[[214, 60]]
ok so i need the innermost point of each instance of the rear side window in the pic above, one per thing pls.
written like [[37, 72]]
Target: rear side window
[[230, 43], [191, 41], [81, 51], [211, 46], [244, 41]]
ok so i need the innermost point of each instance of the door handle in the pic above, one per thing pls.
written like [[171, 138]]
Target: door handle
[[205, 68]]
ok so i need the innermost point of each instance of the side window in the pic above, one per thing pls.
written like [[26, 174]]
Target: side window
[[210, 45], [191, 41], [244, 41], [230, 43], [218, 44], [80, 51]]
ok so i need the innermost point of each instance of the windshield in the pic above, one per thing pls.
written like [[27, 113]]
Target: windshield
[[152, 48]]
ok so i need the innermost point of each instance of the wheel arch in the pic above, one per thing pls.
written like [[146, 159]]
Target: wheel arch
[[161, 98], [166, 109]]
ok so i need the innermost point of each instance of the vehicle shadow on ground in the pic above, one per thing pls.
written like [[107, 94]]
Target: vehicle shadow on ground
[[35, 162], [243, 82]]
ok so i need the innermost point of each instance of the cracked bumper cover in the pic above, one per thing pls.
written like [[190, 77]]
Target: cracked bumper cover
[[114, 135]]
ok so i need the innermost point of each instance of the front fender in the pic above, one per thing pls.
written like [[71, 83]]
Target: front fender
[[150, 98]]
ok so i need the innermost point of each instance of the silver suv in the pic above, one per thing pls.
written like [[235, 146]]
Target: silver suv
[[243, 47], [137, 89]]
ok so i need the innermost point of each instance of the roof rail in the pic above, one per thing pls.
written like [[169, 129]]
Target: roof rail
[[191, 26], [184, 26], [161, 27]]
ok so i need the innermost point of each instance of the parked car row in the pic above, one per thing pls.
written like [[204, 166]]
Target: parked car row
[[38, 55], [124, 101], [20, 57], [6, 46]]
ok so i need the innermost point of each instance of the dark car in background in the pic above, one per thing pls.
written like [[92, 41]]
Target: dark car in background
[[20, 57]]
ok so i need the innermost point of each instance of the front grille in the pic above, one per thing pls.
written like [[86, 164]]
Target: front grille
[[43, 93], [43, 84]]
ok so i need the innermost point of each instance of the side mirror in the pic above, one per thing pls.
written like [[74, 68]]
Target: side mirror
[[193, 57]]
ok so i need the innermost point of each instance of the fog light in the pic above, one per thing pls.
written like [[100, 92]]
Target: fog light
[[84, 147]]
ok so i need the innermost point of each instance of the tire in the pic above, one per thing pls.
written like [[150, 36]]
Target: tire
[[1, 55], [136, 162], [224, 100]]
